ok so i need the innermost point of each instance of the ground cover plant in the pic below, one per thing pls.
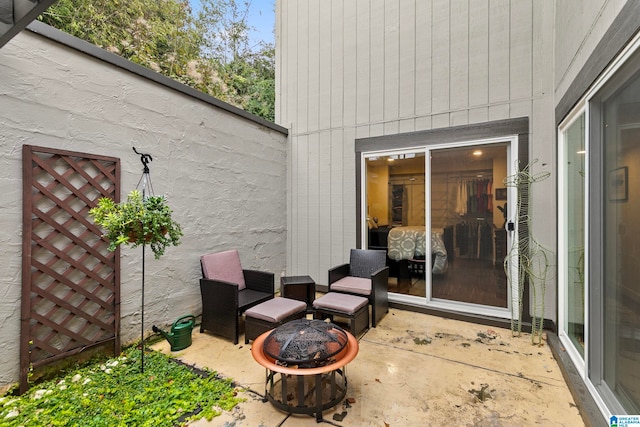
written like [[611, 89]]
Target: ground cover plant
[[116, 392]]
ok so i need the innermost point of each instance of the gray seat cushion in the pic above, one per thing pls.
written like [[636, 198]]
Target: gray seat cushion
[[223, 266], [276, 309], [342, 303], [353, 285]]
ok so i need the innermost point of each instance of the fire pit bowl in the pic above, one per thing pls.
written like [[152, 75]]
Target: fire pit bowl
[[305, 361]]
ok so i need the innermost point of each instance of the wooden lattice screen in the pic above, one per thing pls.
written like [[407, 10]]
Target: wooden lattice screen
[[70, 281]]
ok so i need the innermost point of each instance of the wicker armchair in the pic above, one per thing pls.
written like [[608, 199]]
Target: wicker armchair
[[228, 290], [366, 275]]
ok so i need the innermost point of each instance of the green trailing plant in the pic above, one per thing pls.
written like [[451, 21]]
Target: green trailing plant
[[138, 221], [115, 393]]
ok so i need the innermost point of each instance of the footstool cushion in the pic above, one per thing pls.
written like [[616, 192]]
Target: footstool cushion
[[352, 307], [271, 314]]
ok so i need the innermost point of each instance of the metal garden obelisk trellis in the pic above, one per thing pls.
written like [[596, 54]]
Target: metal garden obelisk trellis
[[145, 182]]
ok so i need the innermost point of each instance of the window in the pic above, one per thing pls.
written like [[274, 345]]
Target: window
[[572, 240]]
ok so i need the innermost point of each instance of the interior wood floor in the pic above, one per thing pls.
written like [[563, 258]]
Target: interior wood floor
[[466, 280]]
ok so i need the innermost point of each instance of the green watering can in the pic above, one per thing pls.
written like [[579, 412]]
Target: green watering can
[[180, 336]]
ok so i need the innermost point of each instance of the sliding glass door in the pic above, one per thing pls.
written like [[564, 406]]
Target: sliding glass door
[[619, 114], [599, 280], [468, 224], [440, 213]]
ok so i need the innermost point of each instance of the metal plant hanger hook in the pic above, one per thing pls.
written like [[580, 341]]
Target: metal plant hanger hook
[[145, 179]]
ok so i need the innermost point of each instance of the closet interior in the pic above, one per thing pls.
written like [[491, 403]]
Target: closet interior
[[463, 207]]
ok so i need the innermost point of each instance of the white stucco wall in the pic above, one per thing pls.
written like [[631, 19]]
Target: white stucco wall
[[224, 175], [366, 68]]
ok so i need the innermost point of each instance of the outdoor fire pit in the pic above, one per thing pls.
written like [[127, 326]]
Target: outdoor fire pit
[[311, 358]]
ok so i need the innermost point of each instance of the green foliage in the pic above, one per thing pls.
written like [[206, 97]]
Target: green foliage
[[158, 34], [208, 50], [252, 79], [117, 393], [138, 222]]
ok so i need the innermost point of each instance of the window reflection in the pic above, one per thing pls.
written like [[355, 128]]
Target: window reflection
[[574, 138], [621, 204]]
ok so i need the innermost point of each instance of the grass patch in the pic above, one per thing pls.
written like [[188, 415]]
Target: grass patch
[[115, 393]]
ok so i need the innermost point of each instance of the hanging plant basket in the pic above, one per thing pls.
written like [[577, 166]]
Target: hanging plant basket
[[138, 221], [133, 236]]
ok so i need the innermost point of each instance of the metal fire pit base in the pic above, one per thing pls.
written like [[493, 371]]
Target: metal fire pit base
[[306, 394], [300, 390]]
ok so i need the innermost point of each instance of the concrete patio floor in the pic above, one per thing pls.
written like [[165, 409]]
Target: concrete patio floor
[[412, 370]]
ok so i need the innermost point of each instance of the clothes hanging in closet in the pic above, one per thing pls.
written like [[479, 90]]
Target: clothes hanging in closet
[[461, 199], [474, 196]]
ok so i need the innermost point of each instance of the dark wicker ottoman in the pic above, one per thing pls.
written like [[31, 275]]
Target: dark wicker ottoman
[[351, 307]]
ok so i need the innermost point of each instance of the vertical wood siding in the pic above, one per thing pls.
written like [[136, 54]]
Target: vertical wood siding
[[579, 28], [364, 68]]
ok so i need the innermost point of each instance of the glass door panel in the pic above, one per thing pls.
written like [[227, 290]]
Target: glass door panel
[[574, 226], [468, 203], [396, 217], [621, 204]]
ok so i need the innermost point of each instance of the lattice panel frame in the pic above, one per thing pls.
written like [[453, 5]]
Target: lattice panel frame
[[70, 281]]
